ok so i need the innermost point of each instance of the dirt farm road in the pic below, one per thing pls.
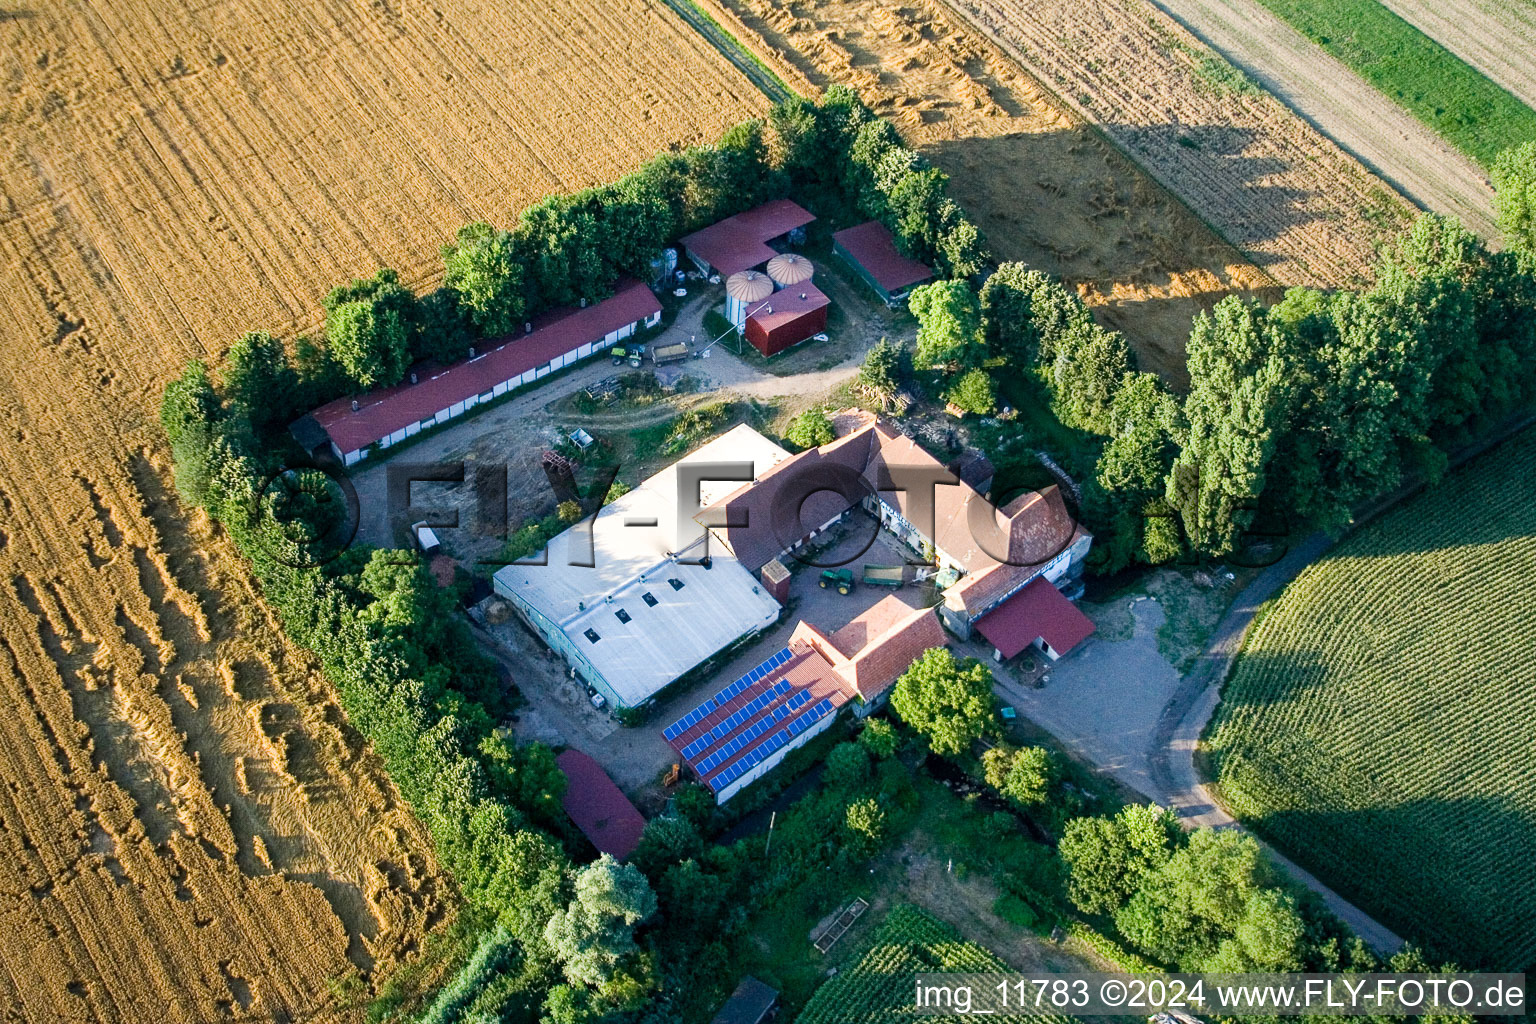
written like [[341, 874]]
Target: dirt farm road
[[1496, 38], [1343, 106]]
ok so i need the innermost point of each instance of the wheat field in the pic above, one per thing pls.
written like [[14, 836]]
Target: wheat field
[[189, 830]]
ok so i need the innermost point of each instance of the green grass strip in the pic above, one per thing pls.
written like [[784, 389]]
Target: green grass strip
[[760, 74], [1474, 114]]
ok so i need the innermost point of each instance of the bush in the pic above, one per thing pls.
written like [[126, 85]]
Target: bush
[[974, 393], [810, 429], [866, 823], [847, 767], [879, 737]]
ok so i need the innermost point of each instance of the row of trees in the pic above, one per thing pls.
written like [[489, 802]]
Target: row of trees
[[1195, 901], [834, 154], [1210, 901], [404, 668], [1313, 405], [413, 683]]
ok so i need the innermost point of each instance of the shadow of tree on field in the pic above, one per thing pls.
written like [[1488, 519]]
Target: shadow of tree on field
[[1419, 807], [1452, 875]]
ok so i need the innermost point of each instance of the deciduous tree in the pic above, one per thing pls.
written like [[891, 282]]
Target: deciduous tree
[[594, 935], [257, 376], [949, 326], [483, 270], [950, 703], [369, 341], [1514, 181], [1238, 401], [810, 429]]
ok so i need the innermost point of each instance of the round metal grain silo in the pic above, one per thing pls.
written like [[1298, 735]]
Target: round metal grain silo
[[742, 291], [789, 268]]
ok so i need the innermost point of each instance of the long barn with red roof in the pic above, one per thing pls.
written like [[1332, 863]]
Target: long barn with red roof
[[556, 339]]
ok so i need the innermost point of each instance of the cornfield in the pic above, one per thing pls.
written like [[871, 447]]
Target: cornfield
[[880, 987], [1380, 725]]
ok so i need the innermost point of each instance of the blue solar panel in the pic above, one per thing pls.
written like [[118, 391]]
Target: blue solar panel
[[689, 720], [719, 700], [754, 675]]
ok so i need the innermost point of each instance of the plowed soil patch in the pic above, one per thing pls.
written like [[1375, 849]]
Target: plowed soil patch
[[1044, 186]]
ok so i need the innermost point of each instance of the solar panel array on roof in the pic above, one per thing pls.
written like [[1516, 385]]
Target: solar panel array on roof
[[749, 709], [746, 739], [751, 677], [689, 720], [720, 699], [735, 769]]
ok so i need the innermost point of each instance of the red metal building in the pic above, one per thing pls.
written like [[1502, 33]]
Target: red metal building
[[787, 318]]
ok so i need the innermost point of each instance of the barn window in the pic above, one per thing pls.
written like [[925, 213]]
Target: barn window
[[592, 636], [649, 598], [675, 584], [621, 615]]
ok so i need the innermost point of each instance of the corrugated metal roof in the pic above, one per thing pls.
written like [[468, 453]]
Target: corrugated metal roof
[[749, 286], [749, 1004], [628, 551], [789, 268]]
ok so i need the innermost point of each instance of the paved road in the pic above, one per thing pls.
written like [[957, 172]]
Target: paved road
[[1343, 106], [1171, 750]]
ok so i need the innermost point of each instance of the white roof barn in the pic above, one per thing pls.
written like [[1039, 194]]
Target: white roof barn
[[653, 616]]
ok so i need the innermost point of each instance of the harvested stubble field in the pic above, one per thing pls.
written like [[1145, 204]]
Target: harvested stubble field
[[1044, 186], [189, 828], [1268, 182], [1379, 724]]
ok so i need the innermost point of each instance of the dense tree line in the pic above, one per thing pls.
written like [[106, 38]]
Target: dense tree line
[[833, 155], [1196, 901], [1318, 401], [1309, 407], [413, 683]]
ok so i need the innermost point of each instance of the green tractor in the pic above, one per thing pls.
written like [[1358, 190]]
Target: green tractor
[[632, 355], [842, 579]]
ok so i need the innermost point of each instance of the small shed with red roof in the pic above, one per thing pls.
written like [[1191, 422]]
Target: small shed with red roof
[[870, 250], [787, 317], [1040, 615], [598, 807]]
